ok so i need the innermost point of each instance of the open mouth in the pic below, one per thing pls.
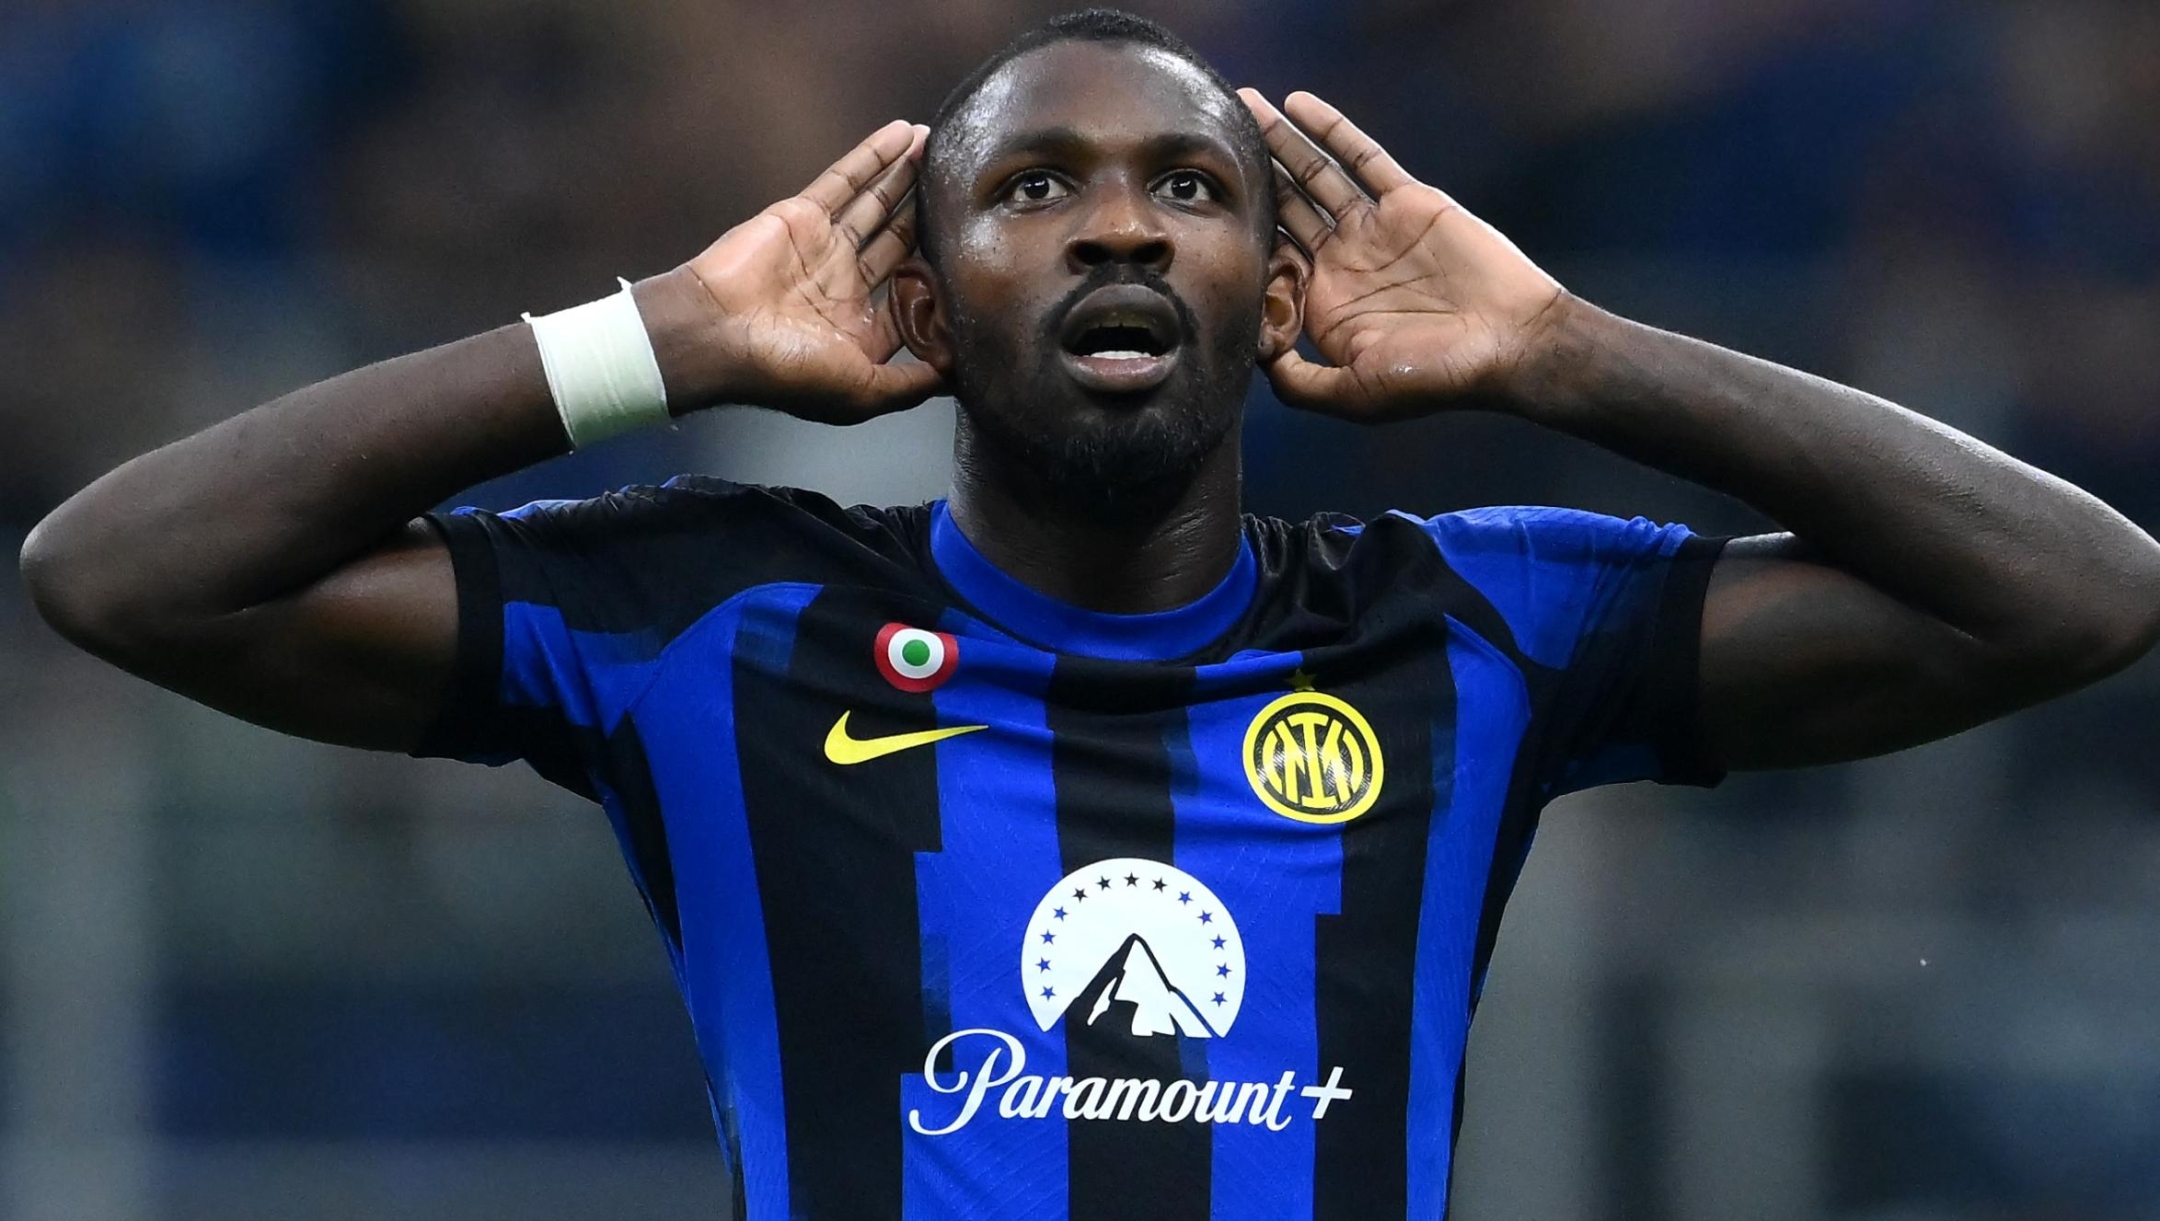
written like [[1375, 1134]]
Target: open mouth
[[1121, 339]]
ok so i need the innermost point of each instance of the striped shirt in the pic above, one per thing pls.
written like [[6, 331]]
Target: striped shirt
[[989, 906]]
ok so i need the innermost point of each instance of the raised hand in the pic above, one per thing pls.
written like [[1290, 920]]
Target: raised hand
[[787, 305], [1413, 302]]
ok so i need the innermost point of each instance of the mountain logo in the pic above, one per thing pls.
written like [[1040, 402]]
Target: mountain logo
[[1136, 946]]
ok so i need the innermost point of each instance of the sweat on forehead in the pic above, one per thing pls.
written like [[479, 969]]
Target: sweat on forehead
[[1123, 60]]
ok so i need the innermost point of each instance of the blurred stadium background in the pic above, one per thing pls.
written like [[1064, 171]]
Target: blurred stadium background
[[246, 977]]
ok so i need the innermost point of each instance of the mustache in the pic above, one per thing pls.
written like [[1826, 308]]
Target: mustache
[[1104, 275]]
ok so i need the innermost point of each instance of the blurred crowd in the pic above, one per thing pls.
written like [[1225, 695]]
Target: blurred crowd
[[202, 201], [1954, 203]]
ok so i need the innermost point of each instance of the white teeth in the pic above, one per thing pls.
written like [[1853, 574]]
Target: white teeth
[[1119, 354]]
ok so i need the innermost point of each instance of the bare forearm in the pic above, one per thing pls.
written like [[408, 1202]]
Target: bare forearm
[[275, 498], [268, 567], [1998, 549]]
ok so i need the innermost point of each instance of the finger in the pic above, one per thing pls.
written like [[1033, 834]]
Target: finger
[[1360, 154], [1296, 213], [891, 246], [862, 215], [1288, 245], [1321, 179], [1306, 386], [884, 340], [862, 166]]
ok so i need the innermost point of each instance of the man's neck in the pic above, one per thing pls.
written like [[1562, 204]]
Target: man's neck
[[1158, 562]]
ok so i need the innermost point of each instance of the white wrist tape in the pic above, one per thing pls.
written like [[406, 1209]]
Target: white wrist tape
[[601, 368]]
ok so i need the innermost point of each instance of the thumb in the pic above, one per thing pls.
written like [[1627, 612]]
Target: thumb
[[1299, 383], [897, 387]]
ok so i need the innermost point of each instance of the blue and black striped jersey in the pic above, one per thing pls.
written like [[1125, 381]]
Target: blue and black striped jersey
[[988, 906]]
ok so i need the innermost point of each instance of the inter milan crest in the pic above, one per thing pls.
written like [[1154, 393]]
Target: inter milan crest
[[1312, 757], [915, 660]]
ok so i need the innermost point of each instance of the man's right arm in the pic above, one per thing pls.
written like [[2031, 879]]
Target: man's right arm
[[272, 566]]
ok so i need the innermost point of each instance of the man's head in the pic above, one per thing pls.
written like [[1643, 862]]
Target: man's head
[[1098, 274]]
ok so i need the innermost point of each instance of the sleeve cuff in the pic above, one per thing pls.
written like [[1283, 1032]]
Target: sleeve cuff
[[460, 728], [1676, 657]]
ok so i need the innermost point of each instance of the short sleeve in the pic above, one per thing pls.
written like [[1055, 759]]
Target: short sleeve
[[1608, 614], [566, 607], [559, 629]]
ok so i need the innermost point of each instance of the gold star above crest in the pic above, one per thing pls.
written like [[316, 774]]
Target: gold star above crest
[[1300, 680]]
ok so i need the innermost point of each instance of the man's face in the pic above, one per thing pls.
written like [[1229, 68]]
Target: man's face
[[1100, 270]]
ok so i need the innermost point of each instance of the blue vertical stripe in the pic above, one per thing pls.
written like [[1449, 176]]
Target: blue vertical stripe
[[1552, 573], [592, 678], [1275, 875], [998, 811], [1472, 761], [728, 973]]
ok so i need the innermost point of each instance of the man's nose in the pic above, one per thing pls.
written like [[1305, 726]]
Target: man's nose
[[1122, 227]]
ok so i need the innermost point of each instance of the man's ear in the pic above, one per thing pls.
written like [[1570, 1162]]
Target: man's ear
[[920, 317], [1282, 309]]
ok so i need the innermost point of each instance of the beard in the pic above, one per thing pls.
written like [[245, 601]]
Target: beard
[[1109, 459]]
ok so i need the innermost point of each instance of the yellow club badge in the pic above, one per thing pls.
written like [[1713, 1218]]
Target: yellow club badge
[[1312, 757]]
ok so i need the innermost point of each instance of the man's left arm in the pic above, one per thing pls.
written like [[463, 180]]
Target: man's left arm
[[1928, 582]]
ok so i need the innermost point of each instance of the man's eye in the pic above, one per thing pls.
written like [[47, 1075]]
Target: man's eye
[[1187, 186], [1035, 188]]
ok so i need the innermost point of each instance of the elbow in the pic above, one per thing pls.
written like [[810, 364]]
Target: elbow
[[2104, 634], [2139, 634], [2135, 628], [73, 591], [2113, 648], [51, 574]]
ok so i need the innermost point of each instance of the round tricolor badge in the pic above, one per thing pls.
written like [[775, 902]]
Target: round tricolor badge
[[913, 659]]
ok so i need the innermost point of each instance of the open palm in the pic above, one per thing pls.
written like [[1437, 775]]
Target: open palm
[[798, 321], [1412, 301]]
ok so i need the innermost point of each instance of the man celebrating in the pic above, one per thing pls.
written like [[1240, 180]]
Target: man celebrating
[[1077, 846]]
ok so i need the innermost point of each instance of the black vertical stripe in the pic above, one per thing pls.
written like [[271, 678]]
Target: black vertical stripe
[[1367, 954], [835, 854], [644, 832], [1112, 731], [1462, 1085]]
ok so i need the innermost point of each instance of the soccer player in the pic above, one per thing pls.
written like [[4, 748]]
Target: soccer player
[[1076, 846]]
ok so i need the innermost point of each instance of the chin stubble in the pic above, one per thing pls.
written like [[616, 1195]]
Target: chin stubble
[[1132, 466]]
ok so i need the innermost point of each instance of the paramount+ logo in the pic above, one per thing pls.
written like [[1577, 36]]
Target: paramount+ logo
[[1123, 952], [1312, 757]]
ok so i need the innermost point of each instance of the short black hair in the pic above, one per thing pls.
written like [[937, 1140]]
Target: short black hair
[[1106, 25]]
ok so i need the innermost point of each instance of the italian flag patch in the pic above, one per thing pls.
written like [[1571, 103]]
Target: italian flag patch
[[913, 659]]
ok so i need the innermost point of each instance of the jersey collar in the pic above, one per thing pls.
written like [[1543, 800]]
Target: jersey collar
[[1065, 628]]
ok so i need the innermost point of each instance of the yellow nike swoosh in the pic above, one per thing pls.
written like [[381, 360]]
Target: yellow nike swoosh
[[842, 749]]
